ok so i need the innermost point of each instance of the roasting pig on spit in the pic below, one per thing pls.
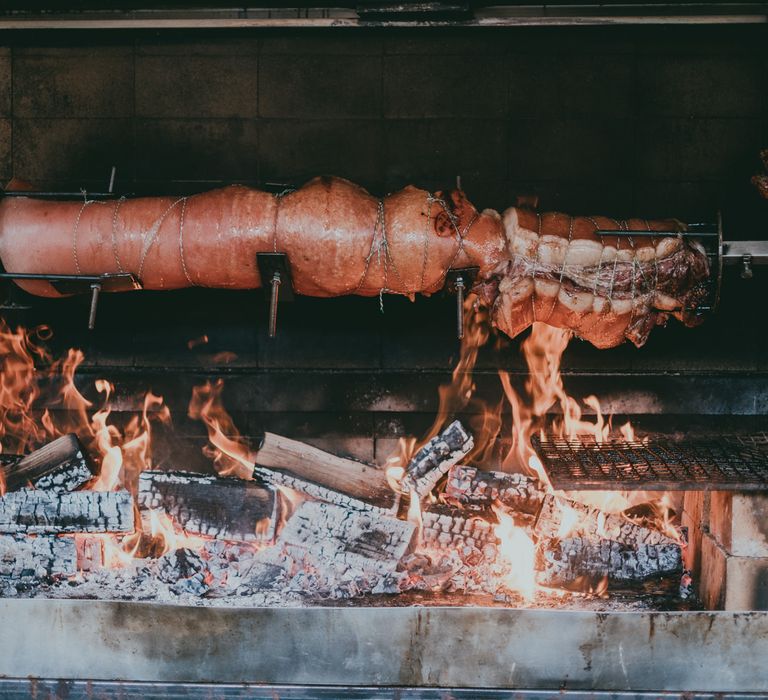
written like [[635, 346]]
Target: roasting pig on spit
[[546, 267]]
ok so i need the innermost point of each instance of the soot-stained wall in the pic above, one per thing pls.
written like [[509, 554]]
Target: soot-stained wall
[[658, 121]]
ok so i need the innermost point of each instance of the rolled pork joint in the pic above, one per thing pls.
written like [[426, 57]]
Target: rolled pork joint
[[340, 240], [603, 288]]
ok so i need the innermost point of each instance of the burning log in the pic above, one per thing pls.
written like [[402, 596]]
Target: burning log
[[435, 458], [313, 490], [223, 508], [32, 511], [28, 559], [479, 489], [560, 517], [323, 535], [293, 460], [561, 562], [61, 465]]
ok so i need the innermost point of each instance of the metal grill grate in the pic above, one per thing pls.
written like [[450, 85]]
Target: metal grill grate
[[723, 463]]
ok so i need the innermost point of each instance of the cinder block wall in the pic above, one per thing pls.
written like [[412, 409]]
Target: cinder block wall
[[651, 121], [641, 121]]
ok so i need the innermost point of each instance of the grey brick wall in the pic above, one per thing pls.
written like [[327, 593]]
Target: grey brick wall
[[644, 121]]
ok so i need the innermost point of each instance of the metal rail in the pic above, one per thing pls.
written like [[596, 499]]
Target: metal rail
[[386, 14]]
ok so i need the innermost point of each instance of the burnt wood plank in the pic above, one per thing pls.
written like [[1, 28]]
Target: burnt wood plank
[[61, 465], [561, 562], [435, 458], [479, 489], [32, 511], [223, 508], [593, 524], [28, 559], [310, 464]]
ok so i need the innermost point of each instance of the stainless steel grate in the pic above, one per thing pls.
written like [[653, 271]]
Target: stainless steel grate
[[722, 463]]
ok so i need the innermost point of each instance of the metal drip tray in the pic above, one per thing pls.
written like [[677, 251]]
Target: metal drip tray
[[721, 463]]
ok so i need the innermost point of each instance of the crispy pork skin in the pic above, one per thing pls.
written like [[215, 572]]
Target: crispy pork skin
[[342, 240]]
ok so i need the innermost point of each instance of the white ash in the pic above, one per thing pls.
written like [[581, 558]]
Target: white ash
[[28, 559], [32, 511]]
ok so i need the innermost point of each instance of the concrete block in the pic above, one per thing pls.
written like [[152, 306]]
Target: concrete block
[[71, 149], [188, 149], [436, 150], [729, 582], [196, 86], [570, 149], [6, 161], [316, 87], [296, 150], [5, 86], [534, 85], [701, 86], [697, 149], [447, 42], [73, 86], [695, 517], [323, 43], [601, 85], [445, 86], [739, 522], [203, 44]]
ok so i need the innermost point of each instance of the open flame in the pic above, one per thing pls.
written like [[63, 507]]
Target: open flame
[[531, 408], [40, 400]]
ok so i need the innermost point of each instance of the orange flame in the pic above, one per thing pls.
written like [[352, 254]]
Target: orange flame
[[230, 454]]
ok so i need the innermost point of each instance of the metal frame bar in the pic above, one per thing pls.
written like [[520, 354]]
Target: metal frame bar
[[502, 15]]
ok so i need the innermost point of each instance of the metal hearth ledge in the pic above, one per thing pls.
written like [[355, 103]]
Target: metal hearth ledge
[[23, 689], [440, 647]]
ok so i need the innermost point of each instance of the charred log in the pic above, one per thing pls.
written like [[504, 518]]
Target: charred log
[[298, 460], [561, 562], [554, 520], [61, 465], [435, 458], [223, 508], [480, 490], [32, 511], [28, 559], [444, 527], [318, 492], [323, 534]]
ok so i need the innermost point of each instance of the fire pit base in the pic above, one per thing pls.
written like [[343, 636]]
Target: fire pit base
[[455, 647]]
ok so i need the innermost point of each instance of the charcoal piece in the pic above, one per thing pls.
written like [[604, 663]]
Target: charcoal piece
[[31, 559], [61, 465], [435, 458], [592, 524], [32, 511], [327, 536], [224, 508], [179, 564], [443, 527], [481, 489], [561, 562]]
